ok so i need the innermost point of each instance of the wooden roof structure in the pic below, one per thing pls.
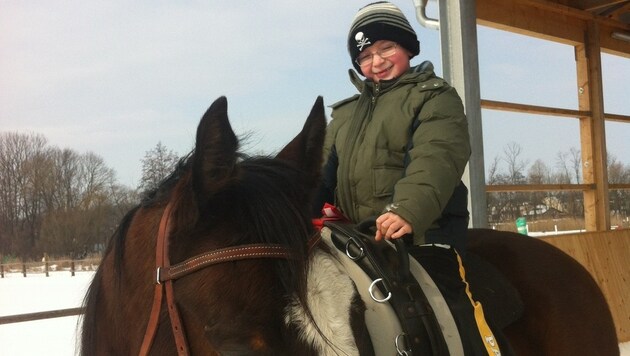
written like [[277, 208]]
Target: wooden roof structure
[[592, 27], [562, 20]]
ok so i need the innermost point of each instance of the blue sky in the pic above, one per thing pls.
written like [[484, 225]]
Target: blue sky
[[117, 77]]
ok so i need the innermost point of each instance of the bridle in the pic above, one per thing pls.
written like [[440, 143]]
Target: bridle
[[165, 275]]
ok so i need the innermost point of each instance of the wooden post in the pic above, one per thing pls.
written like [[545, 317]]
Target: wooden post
[[72, 268], [46, 267], [24, 269], [592, 130], [2, 271]]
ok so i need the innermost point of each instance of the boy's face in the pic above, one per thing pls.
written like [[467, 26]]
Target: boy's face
[[380, 68]]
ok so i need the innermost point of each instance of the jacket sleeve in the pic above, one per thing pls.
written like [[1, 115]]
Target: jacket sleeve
[[441, 149], [325, 192]]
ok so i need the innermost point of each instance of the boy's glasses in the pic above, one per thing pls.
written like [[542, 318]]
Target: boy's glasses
[[367, 58]]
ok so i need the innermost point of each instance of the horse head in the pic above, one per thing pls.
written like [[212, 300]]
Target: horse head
[[220, 198]]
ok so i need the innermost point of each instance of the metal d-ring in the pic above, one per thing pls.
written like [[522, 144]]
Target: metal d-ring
[[354, 258], [406, 352], [371, 290]]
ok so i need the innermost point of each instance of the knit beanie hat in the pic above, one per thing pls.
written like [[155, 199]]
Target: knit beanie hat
[[380, 21]]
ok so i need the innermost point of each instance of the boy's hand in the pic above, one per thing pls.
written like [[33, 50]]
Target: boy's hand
[[391, 226]]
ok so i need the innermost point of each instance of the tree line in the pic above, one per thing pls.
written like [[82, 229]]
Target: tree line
[[61, 202], [67, 204], [511, 168]]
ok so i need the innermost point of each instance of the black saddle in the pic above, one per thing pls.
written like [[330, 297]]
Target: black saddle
[[389, 268]]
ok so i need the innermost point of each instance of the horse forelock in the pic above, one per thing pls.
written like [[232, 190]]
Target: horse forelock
[[264, 201]]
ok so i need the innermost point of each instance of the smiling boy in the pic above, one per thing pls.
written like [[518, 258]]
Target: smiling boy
[[397, 151]]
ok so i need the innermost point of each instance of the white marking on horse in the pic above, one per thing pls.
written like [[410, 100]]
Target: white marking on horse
[[330, 292]]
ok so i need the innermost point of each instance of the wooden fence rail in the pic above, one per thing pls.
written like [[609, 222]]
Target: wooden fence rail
[[57, 266], [72, 266], [10, 319]]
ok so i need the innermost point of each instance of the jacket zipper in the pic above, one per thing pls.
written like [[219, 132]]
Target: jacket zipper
[[377, 90]]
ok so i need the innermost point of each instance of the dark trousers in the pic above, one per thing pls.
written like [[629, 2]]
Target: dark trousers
[[445, 266]]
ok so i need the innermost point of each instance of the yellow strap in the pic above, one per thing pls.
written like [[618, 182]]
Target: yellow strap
[[487, 337]]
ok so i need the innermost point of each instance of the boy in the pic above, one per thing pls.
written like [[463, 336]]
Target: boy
[[397, 151]]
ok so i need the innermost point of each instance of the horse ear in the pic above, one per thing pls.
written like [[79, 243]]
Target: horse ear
[[215, 149], [305, 150]]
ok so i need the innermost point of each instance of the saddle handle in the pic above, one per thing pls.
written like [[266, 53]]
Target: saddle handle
[[365, 227]]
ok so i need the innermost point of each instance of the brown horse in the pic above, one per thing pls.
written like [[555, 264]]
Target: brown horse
[[288, 298]]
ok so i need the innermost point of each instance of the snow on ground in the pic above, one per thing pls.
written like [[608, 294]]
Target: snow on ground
[[52, 337], [35, 293]]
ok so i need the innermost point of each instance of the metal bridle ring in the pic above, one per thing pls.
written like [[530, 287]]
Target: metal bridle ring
[[371, 290], [398, 350], [354, 258]]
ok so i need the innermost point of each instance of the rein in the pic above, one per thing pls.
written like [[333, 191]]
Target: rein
[[166, 274]]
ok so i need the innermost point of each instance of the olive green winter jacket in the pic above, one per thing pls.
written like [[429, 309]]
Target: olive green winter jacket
[[372, 135]]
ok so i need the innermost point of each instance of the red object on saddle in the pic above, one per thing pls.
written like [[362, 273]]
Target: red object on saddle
[[329, 213]]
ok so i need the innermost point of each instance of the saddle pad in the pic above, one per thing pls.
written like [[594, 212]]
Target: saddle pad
[[381, 319]]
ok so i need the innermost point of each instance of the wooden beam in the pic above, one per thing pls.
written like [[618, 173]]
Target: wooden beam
[[494, 188], [531, 109], [537, 187], [572, 11], [592, 130], [545, 110], [525, 19], [589, 5], [550, 21], [619, 118], [613, 46]]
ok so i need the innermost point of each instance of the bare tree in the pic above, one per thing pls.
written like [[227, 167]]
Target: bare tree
[[576, 163], [539, 173], [516, 166], [563, 175], [19, 196], [569, 171], [84, 217], [618, 173], [54, 200], [493, 171], [515, 201], [157, 164]]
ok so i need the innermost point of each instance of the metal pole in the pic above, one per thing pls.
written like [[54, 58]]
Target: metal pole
[[460, 63], [458, 39]]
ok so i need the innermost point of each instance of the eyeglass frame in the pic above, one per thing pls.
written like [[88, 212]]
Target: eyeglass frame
[[370, 58]]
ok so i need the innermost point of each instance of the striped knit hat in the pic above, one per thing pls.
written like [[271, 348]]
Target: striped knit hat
[[380, 21]]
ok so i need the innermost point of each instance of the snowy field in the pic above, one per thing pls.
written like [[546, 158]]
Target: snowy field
[[52, 337], [36, 293]]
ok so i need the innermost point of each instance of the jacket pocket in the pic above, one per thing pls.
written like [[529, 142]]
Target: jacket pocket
[[383, 180]]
